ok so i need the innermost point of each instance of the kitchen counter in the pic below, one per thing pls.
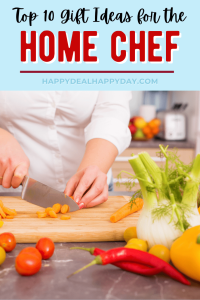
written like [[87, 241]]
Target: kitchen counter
[[97, 282], [155, 144]]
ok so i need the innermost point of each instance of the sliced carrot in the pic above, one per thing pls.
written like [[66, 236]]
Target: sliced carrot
[[52, 214], [9, 211], [9, 217], [42, 215], [127, 209], [2, 213], [47, 210], [6, 211], [56, 207], [13, 210], [65, 217], [64, 209], [1, 223]]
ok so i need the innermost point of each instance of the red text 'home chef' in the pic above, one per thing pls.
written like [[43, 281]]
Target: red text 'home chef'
[[79, 47]]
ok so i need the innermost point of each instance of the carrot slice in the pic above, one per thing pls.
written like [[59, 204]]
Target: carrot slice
[[13, 210], [1, 203], [65, 217], [56, 207], [52, 214], [9, 211], [2, 213], [1, 223], [47, 210], [42, 215], [9, 217], [126, 210], [64, 209]]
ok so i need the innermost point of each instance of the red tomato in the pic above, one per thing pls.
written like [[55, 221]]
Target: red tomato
[[46, 247], [7, 241], [27, 264], [31, 250]]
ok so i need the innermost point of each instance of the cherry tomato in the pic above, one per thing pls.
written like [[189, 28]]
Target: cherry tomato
[[2, 255], [31, 250], [7, 241], [137, 244], [46, 247], [27, 264], [161, 251]]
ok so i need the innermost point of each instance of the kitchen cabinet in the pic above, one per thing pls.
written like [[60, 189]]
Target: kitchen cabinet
[[186, 153]]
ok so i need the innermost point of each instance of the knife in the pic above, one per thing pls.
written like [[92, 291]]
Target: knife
[[42, 195]]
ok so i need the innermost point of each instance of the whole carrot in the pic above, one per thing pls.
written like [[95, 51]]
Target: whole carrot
[[127, 266], [136, 256], [126, 210]]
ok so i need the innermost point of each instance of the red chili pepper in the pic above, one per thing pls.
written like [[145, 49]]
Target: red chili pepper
[[135, 256], [127, 266]]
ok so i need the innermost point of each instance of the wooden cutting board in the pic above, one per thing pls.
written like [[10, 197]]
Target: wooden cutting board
[[86, 225]]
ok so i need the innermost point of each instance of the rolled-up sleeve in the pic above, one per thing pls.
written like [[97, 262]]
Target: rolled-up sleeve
[[110, 119]]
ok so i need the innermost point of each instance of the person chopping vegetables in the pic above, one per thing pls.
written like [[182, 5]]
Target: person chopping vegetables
[[67, 140]]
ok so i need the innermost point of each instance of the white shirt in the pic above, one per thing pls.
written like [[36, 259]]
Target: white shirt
[[54, 127]]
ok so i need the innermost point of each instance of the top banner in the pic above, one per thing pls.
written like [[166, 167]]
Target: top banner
[[99, 45]]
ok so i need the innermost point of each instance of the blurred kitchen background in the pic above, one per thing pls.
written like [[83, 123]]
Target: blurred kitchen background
[[168, 118]]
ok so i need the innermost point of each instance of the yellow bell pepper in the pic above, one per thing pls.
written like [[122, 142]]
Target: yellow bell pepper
[[185, 253]]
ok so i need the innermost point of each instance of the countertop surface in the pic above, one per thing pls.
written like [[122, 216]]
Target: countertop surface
[[97, 282], [155, 144]]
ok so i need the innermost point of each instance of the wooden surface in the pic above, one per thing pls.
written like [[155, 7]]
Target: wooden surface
[[86, 225]]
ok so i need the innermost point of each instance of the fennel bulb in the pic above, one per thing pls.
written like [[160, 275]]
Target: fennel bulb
[[161, 231], [170, 198]]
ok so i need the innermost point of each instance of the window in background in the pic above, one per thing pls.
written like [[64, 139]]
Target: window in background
[[157, 98]]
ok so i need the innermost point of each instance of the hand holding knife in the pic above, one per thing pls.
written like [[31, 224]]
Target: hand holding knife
[[42, 195]]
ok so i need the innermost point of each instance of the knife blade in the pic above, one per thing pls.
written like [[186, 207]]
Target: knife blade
[[42, 195]]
